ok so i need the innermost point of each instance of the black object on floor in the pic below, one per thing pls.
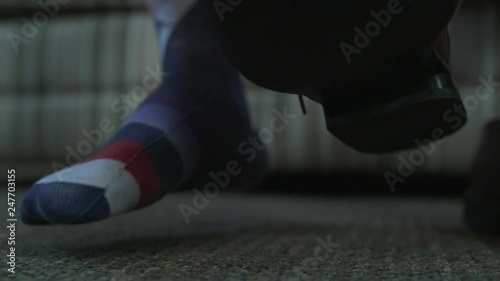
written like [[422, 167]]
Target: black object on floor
[[482, 211]]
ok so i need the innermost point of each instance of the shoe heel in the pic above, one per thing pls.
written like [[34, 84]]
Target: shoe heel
[[411, 99]]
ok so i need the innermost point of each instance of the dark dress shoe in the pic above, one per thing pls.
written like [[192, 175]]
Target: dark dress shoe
[[370, 63]]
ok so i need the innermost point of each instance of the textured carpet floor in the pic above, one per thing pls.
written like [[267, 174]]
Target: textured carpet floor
[[257, 237]]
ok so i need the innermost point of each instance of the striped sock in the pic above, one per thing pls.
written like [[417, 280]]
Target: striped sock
[[190, 126]]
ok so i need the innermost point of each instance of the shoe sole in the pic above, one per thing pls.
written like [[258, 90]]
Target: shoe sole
[[429, 112], [410, 100]]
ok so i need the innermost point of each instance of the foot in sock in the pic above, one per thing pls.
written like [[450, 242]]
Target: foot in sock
[[190, 126]]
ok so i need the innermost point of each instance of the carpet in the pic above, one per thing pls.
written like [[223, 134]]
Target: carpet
[[262, 237]]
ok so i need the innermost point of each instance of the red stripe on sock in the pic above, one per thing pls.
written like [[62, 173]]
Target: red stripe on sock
[[140, 166]]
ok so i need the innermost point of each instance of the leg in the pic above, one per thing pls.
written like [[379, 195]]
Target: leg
[[182, 135]]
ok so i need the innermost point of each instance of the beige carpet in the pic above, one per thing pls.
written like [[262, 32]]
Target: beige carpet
[[256, 237]]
